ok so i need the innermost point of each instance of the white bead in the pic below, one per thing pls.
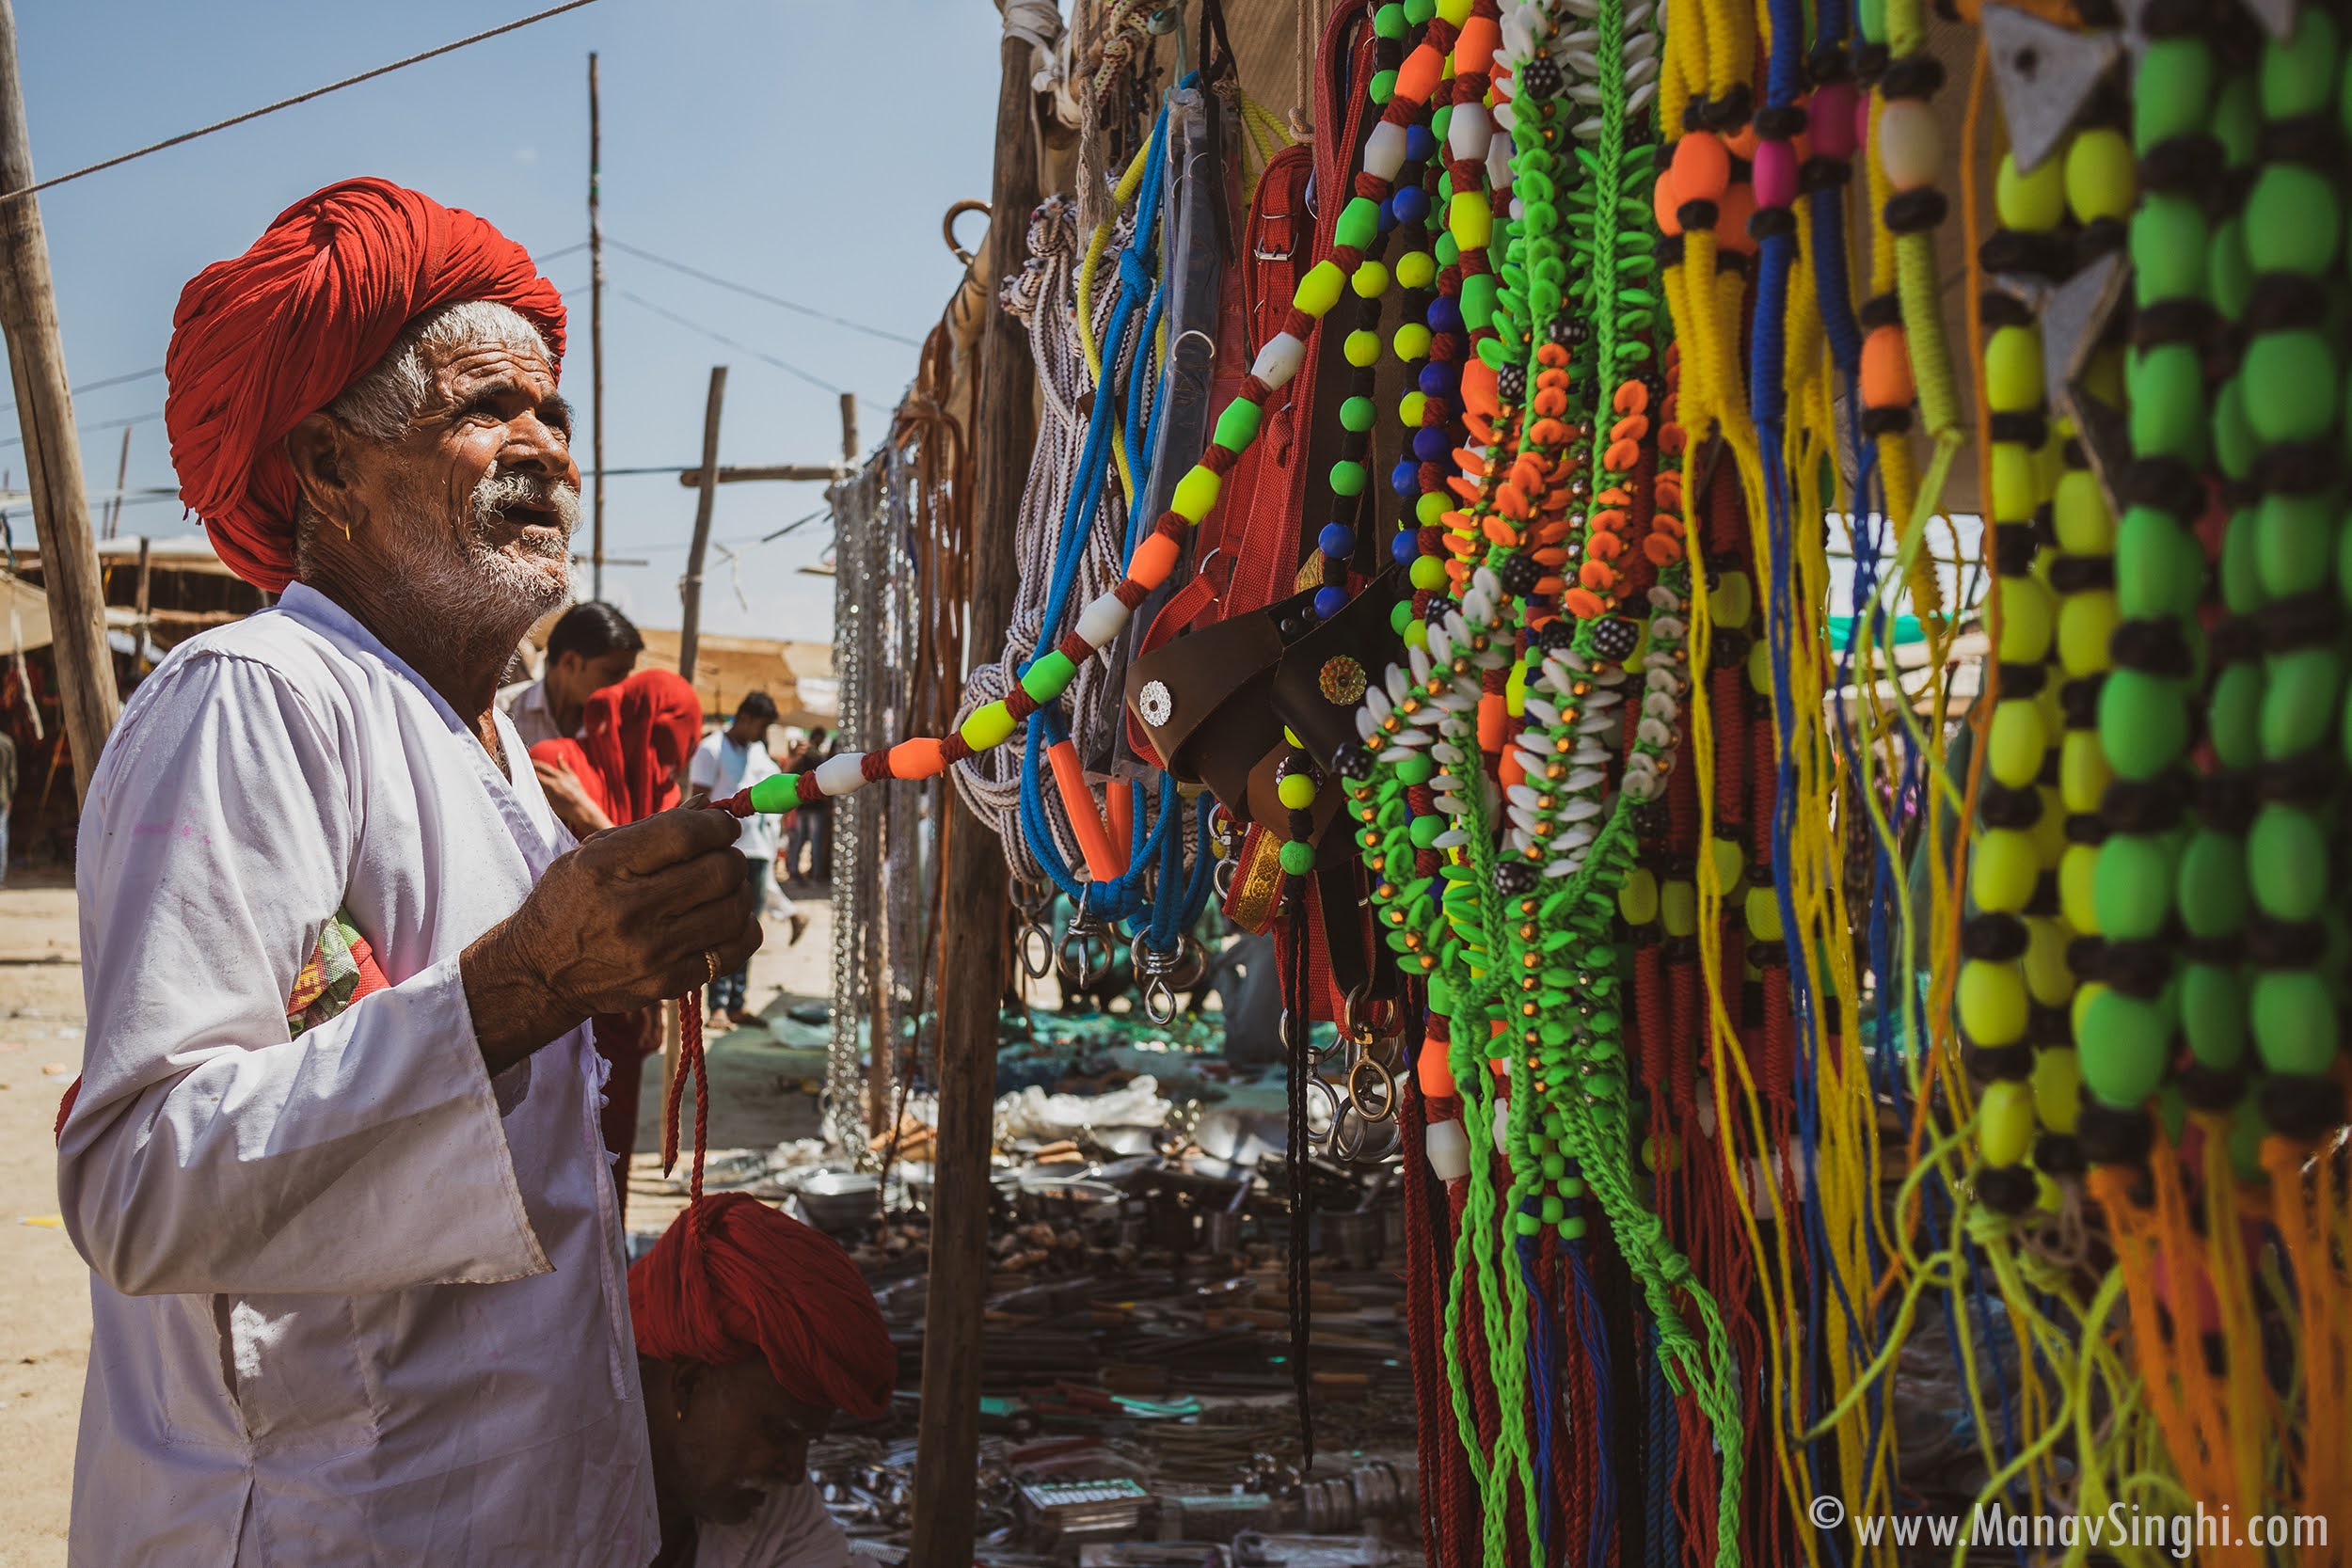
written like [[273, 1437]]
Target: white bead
[[1466, 134], [1503, 1125], [1280, 359], [1100, 620], [1478, 608], [839, 774], [1499, 154], [1909, 148], [1447, 1149], [1419, 659], [1384, 150]]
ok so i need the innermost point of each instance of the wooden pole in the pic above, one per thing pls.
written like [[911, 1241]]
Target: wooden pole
[[139, 629], [849, 431], [53, 451], [596, 326], [974, 947], [123, 476], [690, 589]]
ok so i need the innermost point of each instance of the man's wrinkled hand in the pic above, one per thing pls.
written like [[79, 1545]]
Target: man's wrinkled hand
[[637, 914]]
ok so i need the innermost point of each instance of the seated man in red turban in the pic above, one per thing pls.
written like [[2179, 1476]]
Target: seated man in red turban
[[753, 1330], [358, 1278]]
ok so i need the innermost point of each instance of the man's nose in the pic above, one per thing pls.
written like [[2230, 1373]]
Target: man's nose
[[534, 447]]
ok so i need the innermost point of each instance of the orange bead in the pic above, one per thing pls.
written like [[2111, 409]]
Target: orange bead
[[1581, 603], [1512, 769], [1528, 474], [1478, 387], [1701, 167], [1551, 584], [1631, 428], [1632, 398], [1599, 576], [1551, 556], [1494, 723], [917, 759], [1551, 403], [1661, 551], [1475, 46], [1502, 533], [1418, 78], [1670, 440], [1467, 489], [1887, 369], [1548, 433], [1604, 547], [1608, 521], [1480, 425], [1731, 220], [1511, 500], [1434, 1073], [1741, 144], [1154, 559], [1616, 495], [1552, 353], [1622, 455], [1666, 522]]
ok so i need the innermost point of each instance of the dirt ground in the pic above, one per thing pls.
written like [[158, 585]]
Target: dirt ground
[[44, 1288]]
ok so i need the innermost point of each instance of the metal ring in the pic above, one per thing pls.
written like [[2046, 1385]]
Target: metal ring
[[1222, 878], [1331, 1097], [1383, 1022], [1159, 1002], [1381, 1075], [1036, 947], [947, 227], [1346, 1150]]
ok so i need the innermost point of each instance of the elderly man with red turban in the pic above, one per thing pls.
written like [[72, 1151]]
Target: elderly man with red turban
[[358, 1278], [753, 1332]]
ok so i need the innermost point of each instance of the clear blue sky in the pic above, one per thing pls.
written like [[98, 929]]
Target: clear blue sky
[[808, 150]]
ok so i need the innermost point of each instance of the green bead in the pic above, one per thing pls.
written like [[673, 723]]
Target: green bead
[[2168, 241], [1572, 1228], [2171, 89], [1417, 769], [2102, 177], [1991, 1002], [2167, 387], [2294, 1021], [1237, 426], [2143, 722], [2291, 384], [2295, 542], [1298, 857], [2237, 119], [1554, 1167], [777, 792], [1440, 995], [1430, 507], [2233, 716], [2209, 887], [2298, 76], [1347, 477], [1419, 11], [2242, 589], [1478, 300], [1555, 1210], [2286, 861], [2234, 447], [1357, 413], [1297, 791], [2032, 201], [2133, 888], [2153, 569], [1527, 1225], [1360, 222], [1426, 829], [2005, 1122], [2122, 1043], [2294, 220], [1388, 21], [1446, 250], [2230, 277], [1048, 677], [1383, 86], [2213, 1014], [2298, 700]]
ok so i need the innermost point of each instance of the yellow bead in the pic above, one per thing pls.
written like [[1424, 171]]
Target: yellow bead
[[1991, 1001], [1454, 11], [2016, 742], [1723, 864], [2005, 1122], [2049, 831], [2082, 771], [2003, 869], [2086, 628], [1760, 664], [1637, 900], [1679, 909], [1416, 269], [2031, 202], [1469, 220], [1410, 407], [2079, 511], [1371, 280], [992, 725], [1297, 791], [1762, 910], [2025, 621], [2102, 177], [2013, 372], [1319, 288], [1417, 634], [2077, 872], [1411, 343], [1515, 691], [2085, 998], [1289, 735], [2057, 1088], [2048, 978], [1729, 598], [2016, 488], [1196, 493]]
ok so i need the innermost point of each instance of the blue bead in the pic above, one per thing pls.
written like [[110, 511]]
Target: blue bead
[[1330, 602], [1430, 446], [1337, 540], [1445, 315], [1387, 217], [1406, 546], [1437, 379], [1420, 142], [1404, 479], [1413, 204]]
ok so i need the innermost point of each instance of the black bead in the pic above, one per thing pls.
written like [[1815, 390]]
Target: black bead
[[1995, 1064], [1514, 877], [1556, 636], [2114, 1137], [2301, 1107], [1511, 383], [2057, 1154], [1439, 608], [1992, 937], [2211, 1089], [1520, 574], [1541, 78], [1616, 638], [1352, 761], [2006, 1189]]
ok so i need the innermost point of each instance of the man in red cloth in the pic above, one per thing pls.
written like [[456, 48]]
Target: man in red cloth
[[356, 1276], [753, 1331]]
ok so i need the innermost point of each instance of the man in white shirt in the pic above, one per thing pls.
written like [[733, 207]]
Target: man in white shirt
[[592, 646], [356, 1280], [728, 760]]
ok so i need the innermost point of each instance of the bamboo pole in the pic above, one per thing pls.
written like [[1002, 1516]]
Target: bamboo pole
[[596, 325], [691, 588]]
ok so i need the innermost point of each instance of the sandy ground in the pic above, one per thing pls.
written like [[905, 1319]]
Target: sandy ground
[[44, 1290]]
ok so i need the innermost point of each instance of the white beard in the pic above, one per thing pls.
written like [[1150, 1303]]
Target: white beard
[[477, 591]]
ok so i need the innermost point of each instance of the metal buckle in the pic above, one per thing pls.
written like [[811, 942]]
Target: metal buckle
[[1385, 1108], [1366, 1028], [1159, 1001]]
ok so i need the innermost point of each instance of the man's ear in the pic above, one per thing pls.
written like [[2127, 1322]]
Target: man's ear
[[318, 451]]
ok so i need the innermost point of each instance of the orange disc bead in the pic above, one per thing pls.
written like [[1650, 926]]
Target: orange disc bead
[[1701, 169], [1475, 46], [1418, 78], [1631, 428], [1622, 455], [1599, 576], [1731, 220], [1581, 603], [1631, 397], [1661, 551], [1478, 387], [1603, 546], [1887, 369], [1154, 559], [917, 759]]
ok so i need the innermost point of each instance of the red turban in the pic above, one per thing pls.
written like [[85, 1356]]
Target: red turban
[[260, 343], [635, 736], [732, 1278]]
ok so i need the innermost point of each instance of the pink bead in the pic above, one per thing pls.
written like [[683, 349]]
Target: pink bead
[[1775, 174], [1833, 119]]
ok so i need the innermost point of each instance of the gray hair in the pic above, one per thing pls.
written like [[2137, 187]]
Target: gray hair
[[383, 403]]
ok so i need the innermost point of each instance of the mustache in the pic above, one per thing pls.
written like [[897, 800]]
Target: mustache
[[499, 492]]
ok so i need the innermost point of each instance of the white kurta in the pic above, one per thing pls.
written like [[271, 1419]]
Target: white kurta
[[790, 1530], [353, 1303]]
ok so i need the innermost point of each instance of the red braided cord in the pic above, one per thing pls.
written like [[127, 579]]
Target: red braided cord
[[1424, 1330], [691, 1061]]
